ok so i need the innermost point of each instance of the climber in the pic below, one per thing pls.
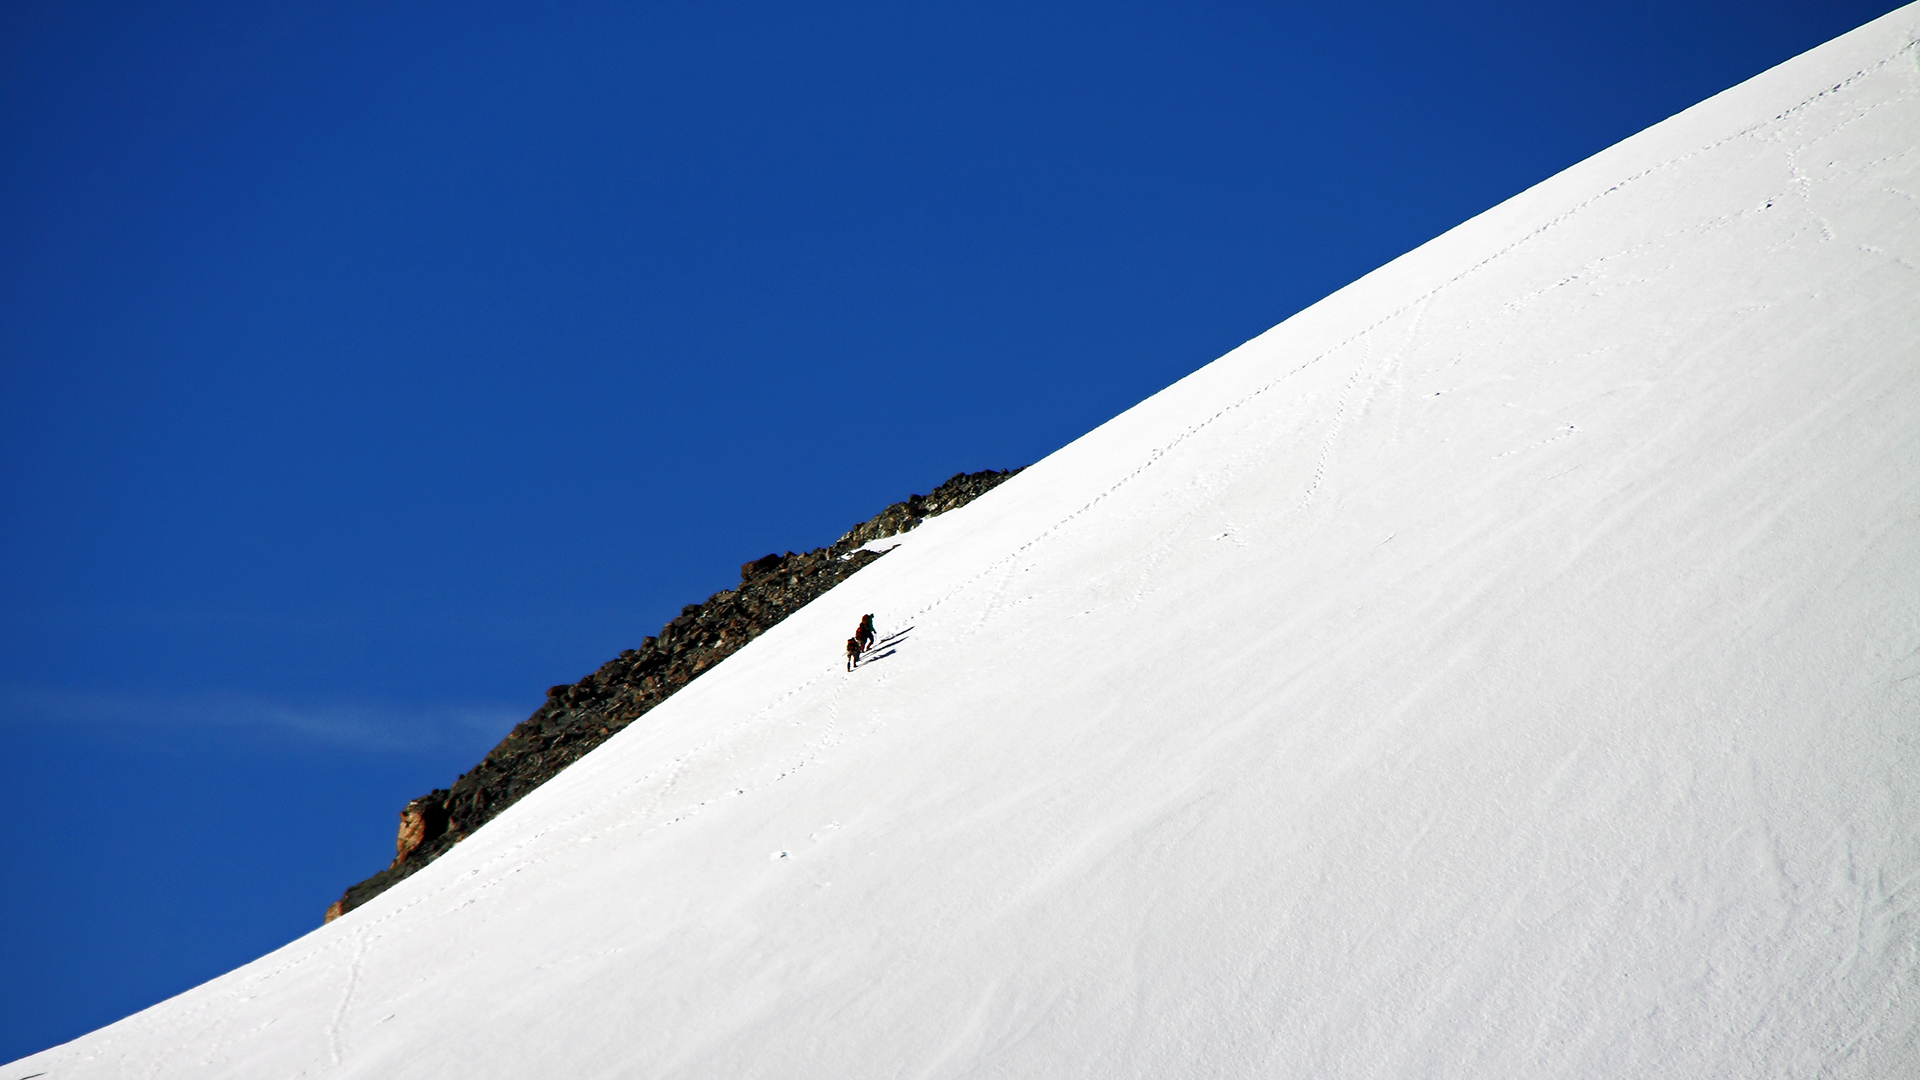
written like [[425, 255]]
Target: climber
[[866, 635], [853, 652]]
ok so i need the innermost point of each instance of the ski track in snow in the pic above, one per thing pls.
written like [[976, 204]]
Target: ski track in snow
[[334, 1036]]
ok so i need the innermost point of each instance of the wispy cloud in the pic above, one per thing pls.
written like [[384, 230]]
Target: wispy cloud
[[386, 727]]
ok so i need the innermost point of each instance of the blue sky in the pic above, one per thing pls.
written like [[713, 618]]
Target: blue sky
[[366, 369]]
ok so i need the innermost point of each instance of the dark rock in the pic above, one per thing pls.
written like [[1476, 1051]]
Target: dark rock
[[580, 716]]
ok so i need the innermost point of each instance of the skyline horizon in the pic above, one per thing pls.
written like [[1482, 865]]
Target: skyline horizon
[[369, 371]]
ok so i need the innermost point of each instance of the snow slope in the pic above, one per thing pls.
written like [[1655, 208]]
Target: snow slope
[[1508, 667]]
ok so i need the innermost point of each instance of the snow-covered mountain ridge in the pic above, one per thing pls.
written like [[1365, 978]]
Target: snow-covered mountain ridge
[[577, 717], [1509, 666]]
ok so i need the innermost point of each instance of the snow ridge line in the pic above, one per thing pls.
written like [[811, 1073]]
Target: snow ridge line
[[1420, 302], [1650, 170], [1157, 454], [243, 989], [1619, 185]]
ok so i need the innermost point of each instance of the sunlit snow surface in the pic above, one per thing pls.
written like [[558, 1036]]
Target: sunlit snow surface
[[1509, 667]]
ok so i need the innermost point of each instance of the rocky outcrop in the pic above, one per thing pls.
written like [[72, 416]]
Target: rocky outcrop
[[422, 818], [579, 716]]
